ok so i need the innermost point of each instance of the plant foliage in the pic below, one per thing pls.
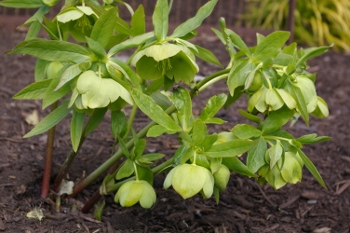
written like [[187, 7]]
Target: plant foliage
[[79, 68]]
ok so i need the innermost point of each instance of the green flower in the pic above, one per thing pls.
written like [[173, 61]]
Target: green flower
[[287, 171], [190, 179], [221, 177], [80, 20], [136, 191], [93, 91], [174, 61]]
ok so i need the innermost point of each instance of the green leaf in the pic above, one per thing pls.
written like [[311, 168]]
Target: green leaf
[[76, 129], [138, 23], [50, 120], [214, 104], [238, 42], [51, 96], [206, 55], [199, 132], [156, 131], [194, 22], [270, 46], [236, 165], [126, 170], [209, 141], [250, 116], [239, 73], [244, 131], [130, 43], [96, 48], [69, 74], [21, 3], [139, 148], [126, 70], [154, 111], [275, 153], [118, 123], [310, 53], [256, 155], [123, 27], [276, 119], [104, 26], [231, 148], [34, 91], [153, 156], [311, 167], [40, 69], [52, 50], [312, 138], [296, 93], [160, 19], [94, 120], [183, 104], [35, 22]]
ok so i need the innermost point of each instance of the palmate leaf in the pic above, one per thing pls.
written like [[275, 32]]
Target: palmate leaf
[[192, 23], [154, 111], [50, 120], [160, 19], [21, 3], [52, 50]]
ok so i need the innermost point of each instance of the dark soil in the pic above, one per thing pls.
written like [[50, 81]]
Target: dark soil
[[245, 207]]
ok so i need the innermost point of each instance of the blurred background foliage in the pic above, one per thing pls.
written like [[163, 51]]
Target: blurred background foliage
[[317, 22]]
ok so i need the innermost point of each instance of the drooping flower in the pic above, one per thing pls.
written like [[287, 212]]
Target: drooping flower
[[190, 179], [172, 60], [136, 191], [93, 91], [79, 19]]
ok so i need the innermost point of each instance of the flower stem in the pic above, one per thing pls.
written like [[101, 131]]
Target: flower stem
[[48, 158]]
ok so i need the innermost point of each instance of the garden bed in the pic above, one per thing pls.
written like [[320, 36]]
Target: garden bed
[[244, 206]]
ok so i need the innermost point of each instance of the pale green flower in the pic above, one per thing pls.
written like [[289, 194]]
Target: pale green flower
[[93, 91], [174, 61], [136, 191], [190, 179]]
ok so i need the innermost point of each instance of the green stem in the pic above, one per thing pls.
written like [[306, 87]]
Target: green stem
[[45, 188], [131, 120], [114, 158]]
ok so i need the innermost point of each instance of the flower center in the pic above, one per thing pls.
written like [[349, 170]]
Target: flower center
[[164, 65]]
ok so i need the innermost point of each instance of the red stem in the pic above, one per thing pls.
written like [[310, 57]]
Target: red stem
[[45, 188]]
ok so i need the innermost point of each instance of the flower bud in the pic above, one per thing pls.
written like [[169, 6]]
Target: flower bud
[[221, 177], [53, 69]]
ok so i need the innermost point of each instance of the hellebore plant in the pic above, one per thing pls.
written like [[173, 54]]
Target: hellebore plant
[[85, 79]]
